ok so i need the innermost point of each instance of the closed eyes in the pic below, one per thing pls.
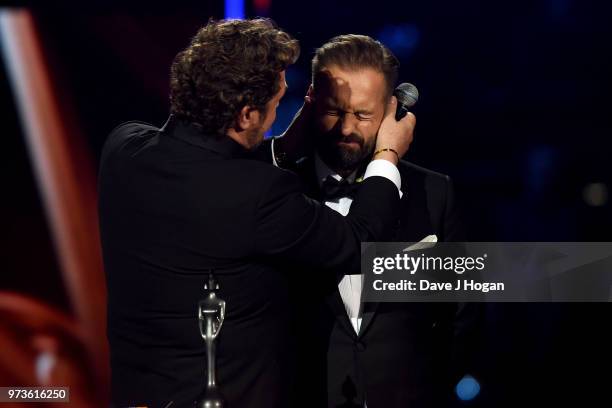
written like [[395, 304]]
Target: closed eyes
[[362, 116]]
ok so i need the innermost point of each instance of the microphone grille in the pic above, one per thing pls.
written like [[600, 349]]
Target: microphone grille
[[407, 94]]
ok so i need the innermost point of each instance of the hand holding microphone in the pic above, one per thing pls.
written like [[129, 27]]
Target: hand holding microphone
[[407, 96], [397, 128]]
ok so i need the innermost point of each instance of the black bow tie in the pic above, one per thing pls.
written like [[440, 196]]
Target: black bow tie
[[333, 189]]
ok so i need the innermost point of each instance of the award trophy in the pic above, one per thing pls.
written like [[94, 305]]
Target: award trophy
[[211, 313]]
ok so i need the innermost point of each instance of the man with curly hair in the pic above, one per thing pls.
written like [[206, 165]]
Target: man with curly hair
[[192, 197]]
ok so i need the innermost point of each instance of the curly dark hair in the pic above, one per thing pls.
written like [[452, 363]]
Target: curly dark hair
[[229, 64], [355, 51]]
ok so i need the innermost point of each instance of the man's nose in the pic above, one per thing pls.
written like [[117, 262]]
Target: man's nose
[[348, 124]]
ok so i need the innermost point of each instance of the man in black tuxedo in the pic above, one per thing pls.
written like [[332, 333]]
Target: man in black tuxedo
[[192, 197], [357, 354]]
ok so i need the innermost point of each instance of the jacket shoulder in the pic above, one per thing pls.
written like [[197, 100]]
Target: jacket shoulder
[[414, 175], [132, 125], [411, 169], [124, 133]]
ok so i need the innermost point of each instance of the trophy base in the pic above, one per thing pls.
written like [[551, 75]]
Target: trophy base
[[211, 398], [208, 403]]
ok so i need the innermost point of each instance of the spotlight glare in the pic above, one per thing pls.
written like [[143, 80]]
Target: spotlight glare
[[467, 388]]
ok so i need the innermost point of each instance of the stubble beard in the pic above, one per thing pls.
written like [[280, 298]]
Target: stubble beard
[[344, 159]]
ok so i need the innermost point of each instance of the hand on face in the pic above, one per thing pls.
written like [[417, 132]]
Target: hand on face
[[296, 141], [393, 134]]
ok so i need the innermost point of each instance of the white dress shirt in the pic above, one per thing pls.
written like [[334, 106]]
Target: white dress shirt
[[350, 285]]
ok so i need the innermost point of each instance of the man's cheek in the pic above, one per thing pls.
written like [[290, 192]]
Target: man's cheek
[[325, 124], [367, 130]]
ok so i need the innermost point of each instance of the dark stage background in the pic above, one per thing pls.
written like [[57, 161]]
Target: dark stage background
[[515, 107]]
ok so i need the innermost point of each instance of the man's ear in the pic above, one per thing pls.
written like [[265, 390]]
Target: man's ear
[[310, 94], [389, 105], [248, 118]]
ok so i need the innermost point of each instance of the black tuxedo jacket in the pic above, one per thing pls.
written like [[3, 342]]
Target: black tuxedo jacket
[[402, 355], [173, 205]]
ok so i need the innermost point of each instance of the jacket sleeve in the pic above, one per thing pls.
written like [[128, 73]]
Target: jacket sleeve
[[294, 228]]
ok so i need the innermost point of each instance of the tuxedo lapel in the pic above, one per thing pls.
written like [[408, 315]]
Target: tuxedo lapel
[[336, 305], [367, 315]]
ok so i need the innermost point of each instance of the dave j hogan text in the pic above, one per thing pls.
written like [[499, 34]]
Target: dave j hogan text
[[468, 285]]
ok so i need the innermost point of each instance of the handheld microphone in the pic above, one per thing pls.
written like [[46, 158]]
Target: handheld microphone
[[407, 96]]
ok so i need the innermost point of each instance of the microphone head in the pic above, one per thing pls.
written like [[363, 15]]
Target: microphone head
[[407, 95]]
